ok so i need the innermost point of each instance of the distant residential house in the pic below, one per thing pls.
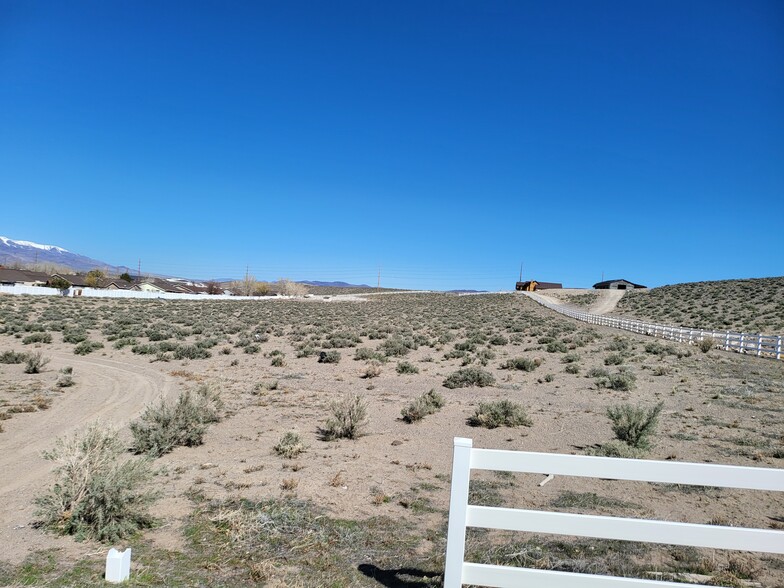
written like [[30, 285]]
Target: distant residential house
[[532, 285], [161, 285], [76, 280], [116, 284], [12, 277], [617, 285]]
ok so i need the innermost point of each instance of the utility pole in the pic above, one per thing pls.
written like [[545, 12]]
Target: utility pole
[[521, 272], [378, 286], [139, 270]]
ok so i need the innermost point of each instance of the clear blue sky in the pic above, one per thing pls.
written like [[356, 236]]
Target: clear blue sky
[[445, 142]]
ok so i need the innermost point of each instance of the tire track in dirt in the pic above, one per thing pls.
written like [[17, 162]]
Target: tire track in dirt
[[109, 390]]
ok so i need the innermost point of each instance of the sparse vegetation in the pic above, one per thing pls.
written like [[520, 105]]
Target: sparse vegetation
[[331, 356], [525, 364], [99, 494], [349, 416], [469, 377], [634, 425], [35, 362], [749, 306], [290, 445], [426, 404], [164, 426], [502, 413]]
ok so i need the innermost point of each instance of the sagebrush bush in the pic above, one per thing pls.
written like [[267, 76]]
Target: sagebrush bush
[[471, 376], [37, 338], [349, 416], [372, 369], [191, 352], [706, 344], [557, 347], [331, 356], [86, 347], [634, 425], [13, 357], [501, 413], [164, 426], [35, 362], [521, 363], [405, 367], [74, 335], [427, 403], [290, 445], [363, 353], [97, 494]]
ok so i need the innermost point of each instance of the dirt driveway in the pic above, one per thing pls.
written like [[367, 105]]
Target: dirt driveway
[[113, 391]]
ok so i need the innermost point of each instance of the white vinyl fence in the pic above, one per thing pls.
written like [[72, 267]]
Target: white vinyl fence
[[100, 293], [759, 345], [462, 514]]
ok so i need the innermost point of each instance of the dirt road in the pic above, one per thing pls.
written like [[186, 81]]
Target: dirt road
[[112, 391], [605, 303]]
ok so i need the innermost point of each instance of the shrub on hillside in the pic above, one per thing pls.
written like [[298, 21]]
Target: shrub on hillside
[[164, 426], [290, 445], [634, 425], [557, 347], [74, 335], [37, 338], [190, 352], [13, 357], [525, 364], [706, 344], [426, 404], [331, 356], [349, 416], [405, 367], [86, 347], [97, 493], [471, 376], [502, 413], [35, 362]]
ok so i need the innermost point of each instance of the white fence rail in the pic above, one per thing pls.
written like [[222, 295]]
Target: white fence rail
[[100, 293], [754, 344], [463, 515]]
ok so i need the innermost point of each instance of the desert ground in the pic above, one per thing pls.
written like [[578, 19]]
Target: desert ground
[[371, 511]]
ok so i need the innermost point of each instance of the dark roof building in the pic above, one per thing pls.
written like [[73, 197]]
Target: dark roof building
[[532, 285], [76, 280], [617, 285], [10, 277]]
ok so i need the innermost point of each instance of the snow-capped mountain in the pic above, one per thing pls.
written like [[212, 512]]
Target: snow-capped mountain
[[13, 251]]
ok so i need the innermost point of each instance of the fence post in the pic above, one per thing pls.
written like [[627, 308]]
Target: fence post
[[759, 345], [778, 347], [742, 349], [458, 507]]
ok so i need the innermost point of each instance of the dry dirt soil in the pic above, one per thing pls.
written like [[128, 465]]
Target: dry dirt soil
[[718, 407]]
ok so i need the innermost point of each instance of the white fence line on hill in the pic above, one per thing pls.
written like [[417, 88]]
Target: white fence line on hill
[[754, 344], [462, 514]]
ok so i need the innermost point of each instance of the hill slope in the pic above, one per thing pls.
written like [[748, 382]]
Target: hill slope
[[27, 252], [750, 306]]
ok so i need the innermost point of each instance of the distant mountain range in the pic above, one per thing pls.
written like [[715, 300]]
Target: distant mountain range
[[26, 252], [14, 252]]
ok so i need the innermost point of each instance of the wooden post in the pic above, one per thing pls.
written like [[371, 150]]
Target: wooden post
[[458, 507]]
